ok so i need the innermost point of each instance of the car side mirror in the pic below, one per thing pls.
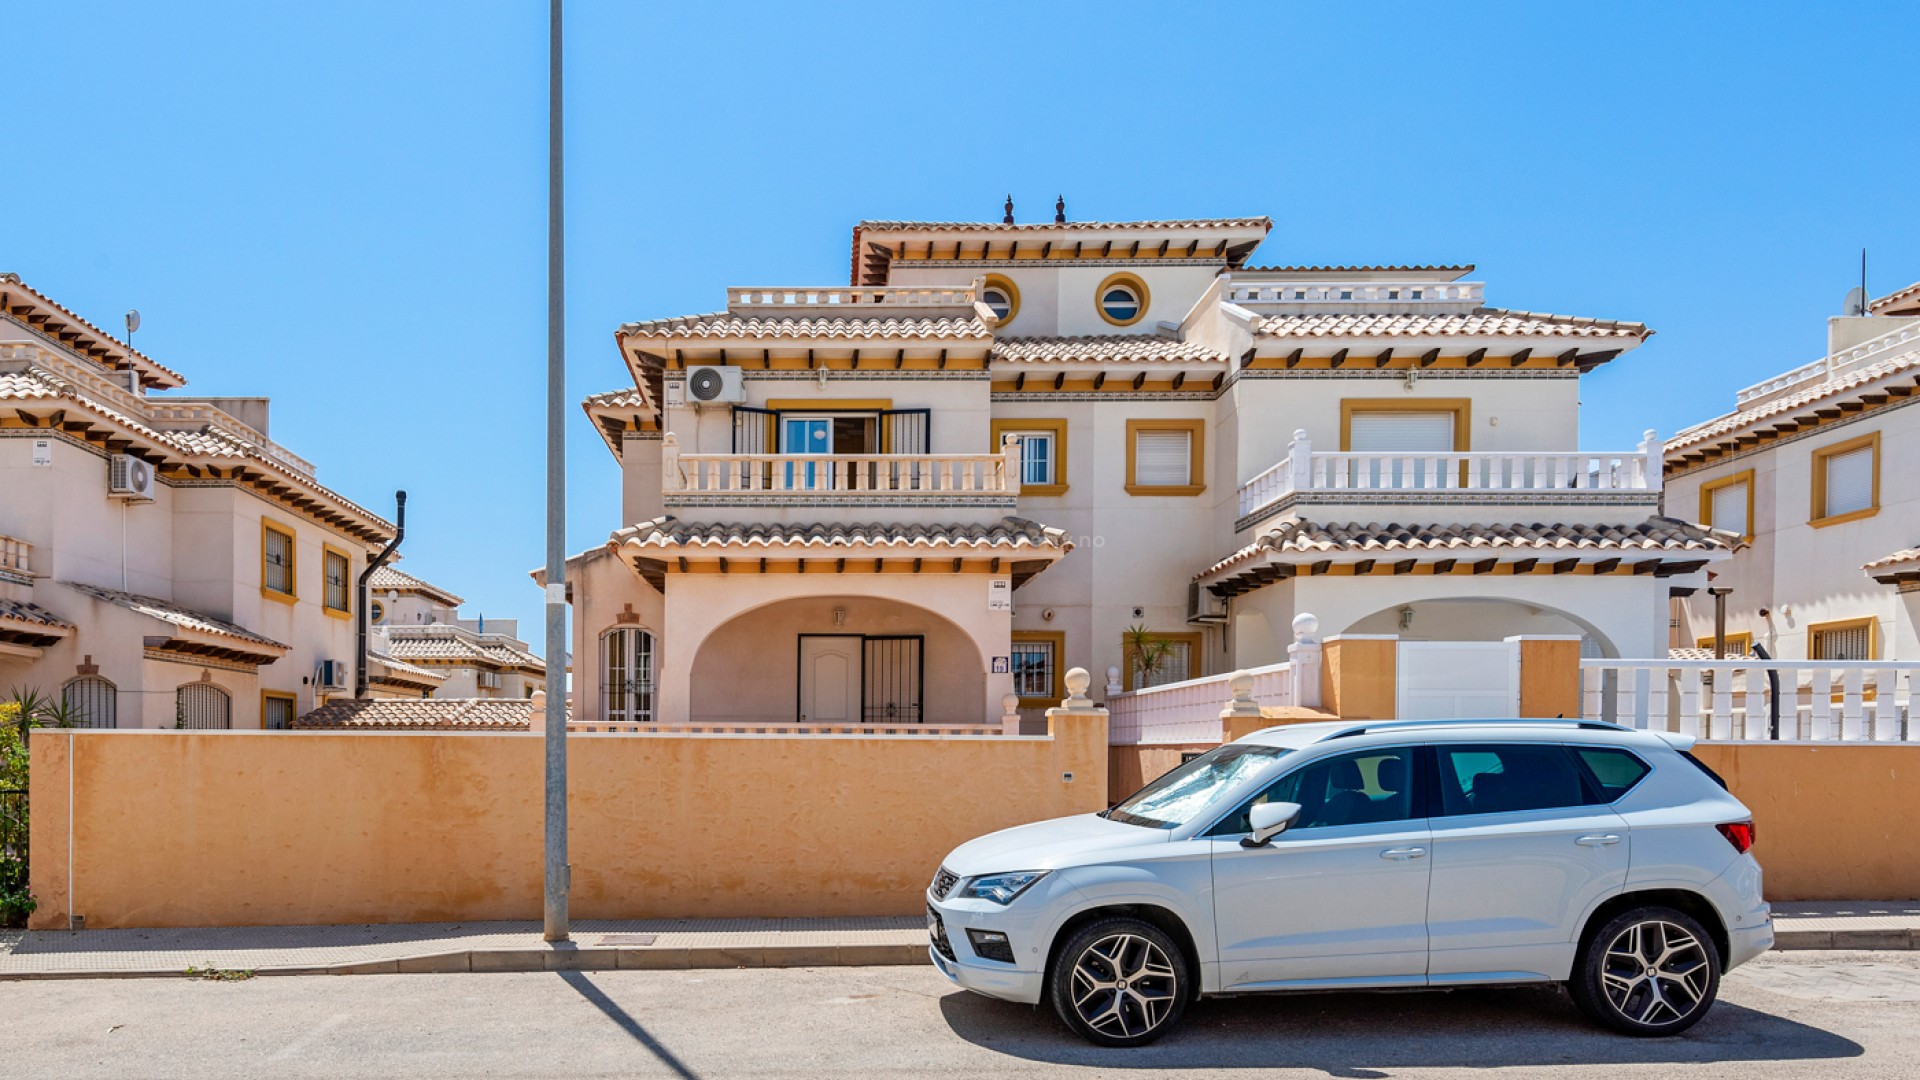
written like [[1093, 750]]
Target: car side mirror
[[1269, 820]]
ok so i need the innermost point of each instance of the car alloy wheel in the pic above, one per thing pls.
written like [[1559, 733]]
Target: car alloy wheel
[[1652, 971], [1120, 982]]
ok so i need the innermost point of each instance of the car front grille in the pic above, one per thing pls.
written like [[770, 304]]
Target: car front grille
[[937, 930], [943, 883]]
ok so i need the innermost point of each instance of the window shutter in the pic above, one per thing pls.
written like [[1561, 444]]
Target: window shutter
[[1843, 643], [1730, 508], [1849, 482], [1163, 458], [1401, 433]]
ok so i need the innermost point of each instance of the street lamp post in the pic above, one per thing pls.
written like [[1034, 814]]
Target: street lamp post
[[558, 874]]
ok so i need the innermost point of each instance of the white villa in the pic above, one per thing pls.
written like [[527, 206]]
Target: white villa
[[1002, 450], [1807, 467], [419, 625], [163, 562]]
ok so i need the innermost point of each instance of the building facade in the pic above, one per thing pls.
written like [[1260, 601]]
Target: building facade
[[1806, 466], [1008, 449], [163, 562], [420, 625]]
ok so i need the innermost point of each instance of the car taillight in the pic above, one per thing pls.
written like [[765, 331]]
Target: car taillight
[[1738, 833]]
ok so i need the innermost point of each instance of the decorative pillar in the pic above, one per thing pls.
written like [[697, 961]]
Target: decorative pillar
[[1303, 660], [1010, 714], [1010, 462], [1300, 462], [1653, 453], [670, 476]]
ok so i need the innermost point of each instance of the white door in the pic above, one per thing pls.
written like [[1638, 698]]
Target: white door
[[1340, 898], [830, 679], [1447, 680], [1518, 860]]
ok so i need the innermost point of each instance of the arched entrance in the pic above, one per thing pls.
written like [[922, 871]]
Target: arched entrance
[[838, 660], [1475, 618]]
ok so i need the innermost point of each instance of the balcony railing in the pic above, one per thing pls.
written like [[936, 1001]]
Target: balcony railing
[[908, 296], [1846, 361], [1491, 473], [1354, 292], [16, 557], [1753, 700], [919, 476]]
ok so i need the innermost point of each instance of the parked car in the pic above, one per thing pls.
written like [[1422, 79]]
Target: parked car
[[1347, 856]]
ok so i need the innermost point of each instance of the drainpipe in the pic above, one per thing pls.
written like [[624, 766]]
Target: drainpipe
[[1773, 704], [360, 620]]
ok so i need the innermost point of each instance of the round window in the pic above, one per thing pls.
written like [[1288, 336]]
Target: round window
[[1122, 299], [379, 612], [998, 302]]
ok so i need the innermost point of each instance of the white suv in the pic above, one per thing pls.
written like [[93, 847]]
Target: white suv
[[1346, 856]]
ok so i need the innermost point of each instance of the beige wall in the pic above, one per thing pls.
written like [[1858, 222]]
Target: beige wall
[[237, 828], [1833, 821]]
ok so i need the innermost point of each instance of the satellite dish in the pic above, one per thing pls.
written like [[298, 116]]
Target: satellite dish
[[1856, 302], [133, 321]]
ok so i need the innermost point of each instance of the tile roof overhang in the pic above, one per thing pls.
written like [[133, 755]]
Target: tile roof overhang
[[1359, 273], [47, 317], [1661, 547], [1899, 302], [1026, 547], [421, 714], [616, 412], [395, 672], [390, 578], [188, 632], [44, 398], [1893, 379], [877, 243], [1102, 349], [1481, 322], [26, 625], [1900, 568]]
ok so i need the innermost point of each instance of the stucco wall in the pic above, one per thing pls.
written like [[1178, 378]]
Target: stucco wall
[[1833, 821], [238, 828]]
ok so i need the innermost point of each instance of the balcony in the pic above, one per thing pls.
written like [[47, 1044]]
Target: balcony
[[853, 301], [1495, 476], [16, 559], [746, 480], [1888, 346]]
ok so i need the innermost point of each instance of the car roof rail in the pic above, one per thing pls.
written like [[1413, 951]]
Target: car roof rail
[[1374, 726]]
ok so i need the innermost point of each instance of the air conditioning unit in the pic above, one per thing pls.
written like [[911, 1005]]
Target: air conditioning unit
[[716, 386], [331, 675], [489, 680], [130, 478], [1203, 606]]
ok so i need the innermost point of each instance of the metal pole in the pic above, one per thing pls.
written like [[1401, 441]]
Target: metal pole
[[558, 873]]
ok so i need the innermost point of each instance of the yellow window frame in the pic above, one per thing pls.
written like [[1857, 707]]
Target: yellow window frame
[[1196, 456], [1058, 640], [1818, 517], [279, 695], [1195, 644], [1744, 476], [1871, 624], [1739, 644], [327, 551], [1057, 428], [1131, 281], [293, 562]]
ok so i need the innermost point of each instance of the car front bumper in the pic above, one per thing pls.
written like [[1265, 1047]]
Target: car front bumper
[[1023, 980], [994, 980]]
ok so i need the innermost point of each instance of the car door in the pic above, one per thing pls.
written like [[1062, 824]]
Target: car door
[[1339, 898], [1519, 857]]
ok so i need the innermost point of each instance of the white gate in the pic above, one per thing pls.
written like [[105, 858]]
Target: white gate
[[1441, 680]]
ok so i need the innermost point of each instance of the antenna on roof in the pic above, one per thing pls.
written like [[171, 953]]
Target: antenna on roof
[[1856, 301], [133, 323], [1060, 210], [1008, 220]]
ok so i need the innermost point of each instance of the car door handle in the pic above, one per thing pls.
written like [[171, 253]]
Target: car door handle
[[1402, 854], [1598, 840]]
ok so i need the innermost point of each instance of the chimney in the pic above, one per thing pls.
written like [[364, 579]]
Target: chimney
[[1060, 210], [1008, 220]]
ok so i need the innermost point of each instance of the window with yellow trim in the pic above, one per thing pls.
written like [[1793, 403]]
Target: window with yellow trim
[[1036, 667], [1852, 639], [277, 710], [1737, 644], [276, 560], [1846, 481], [1166, 457], [1727, 503], [1157, 659], [1043, 453], [1002, 297], [1122, 299], [336, 575]]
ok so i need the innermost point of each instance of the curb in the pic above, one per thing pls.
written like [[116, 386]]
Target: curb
[[592, 958], [1885, 940]]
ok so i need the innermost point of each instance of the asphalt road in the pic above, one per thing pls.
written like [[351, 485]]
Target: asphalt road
[[1794, 1014]]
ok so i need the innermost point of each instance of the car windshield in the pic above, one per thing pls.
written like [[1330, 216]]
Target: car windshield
[[1188, 791]]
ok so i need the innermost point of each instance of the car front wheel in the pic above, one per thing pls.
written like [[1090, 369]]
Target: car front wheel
[[1120, 982], [1651, 971]]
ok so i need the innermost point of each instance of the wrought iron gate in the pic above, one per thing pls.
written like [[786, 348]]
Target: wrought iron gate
[[892, 679], [203, 705]]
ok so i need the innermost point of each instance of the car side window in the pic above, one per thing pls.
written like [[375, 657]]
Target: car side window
[[1505, 778], [1613, 771], [1351, 789]]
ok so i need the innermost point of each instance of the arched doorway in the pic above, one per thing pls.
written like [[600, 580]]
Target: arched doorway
[[627, 675], [1474, 618]]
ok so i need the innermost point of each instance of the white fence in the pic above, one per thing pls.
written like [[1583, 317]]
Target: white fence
[[925, 475], [1189, 711], [1752, 700]]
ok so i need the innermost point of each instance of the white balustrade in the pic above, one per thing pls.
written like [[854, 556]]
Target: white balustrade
[[16, 556], [1354, 292], [1845, 361], [1495, 473], [1189, 711], [930, 476], [1753, 700], [852, 296]]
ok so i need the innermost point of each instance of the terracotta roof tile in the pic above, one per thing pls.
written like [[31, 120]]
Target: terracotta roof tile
[[27, 611], [1013, 533], [1116, 348], [631, 397], [1312, 539], [391, 578], [1716, 429], [725, 325], [421, 714], [1905, 555], [1898, 300], [167, 611], [1482, 322], [155, 371]]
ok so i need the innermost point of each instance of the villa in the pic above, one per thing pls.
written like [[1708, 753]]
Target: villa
[[1006, 449]]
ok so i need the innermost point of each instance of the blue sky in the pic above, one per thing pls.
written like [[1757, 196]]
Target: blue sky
[[342, 205]]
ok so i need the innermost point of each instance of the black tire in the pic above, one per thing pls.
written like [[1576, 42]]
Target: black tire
[[1120, 982], [1648, 972]]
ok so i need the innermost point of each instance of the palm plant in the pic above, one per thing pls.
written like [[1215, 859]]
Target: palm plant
[[1147, 650]]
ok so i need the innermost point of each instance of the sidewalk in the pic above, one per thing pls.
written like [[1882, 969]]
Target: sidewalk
[[652, 943]]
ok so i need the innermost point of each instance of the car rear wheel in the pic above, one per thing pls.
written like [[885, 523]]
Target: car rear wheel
[[1120, 982], [1649, 972]]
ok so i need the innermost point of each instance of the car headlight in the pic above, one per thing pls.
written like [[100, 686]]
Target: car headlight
[[1001, 888]]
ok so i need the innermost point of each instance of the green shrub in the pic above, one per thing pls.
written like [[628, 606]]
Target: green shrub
[[25, 709]]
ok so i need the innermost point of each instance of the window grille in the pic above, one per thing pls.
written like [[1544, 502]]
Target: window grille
[[277, 559], [92, 701], [202, 705], [276, 712], [1853, 642], [336, 581], [1033, 666], [627, 676]]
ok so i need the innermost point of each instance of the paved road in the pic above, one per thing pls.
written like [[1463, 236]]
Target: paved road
[[1796, 1014]]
